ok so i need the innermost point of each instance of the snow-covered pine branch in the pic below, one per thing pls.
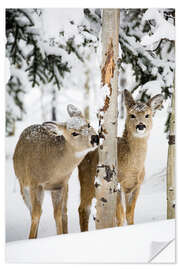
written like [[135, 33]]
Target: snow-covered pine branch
[[163, 29]]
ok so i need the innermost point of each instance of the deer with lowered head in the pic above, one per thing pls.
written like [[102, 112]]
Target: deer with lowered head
[[132, 150], [44, 159]]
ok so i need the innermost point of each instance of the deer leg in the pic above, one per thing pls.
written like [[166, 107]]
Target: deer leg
[[57, 200], [119, 209], [64, 215], [36, 196], [86, 196], [87, 172], [130, 199], [84, 209]]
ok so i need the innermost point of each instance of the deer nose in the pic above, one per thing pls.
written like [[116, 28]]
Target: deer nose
[[140, 126], [94, 139]]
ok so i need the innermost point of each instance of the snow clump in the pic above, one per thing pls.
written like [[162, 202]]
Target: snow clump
[[76, 123], [163, 29], [102, 93]]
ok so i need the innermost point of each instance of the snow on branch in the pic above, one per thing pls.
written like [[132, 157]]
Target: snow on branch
[[163, 29]]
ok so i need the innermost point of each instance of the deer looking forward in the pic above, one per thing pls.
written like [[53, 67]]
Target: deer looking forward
[[132, 149], [44, 159]]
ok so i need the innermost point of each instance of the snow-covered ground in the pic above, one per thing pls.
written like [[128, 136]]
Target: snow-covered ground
[[151, 204], [133, 244]]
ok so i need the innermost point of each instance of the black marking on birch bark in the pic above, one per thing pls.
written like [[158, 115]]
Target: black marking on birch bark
[[109, 173], [94, 218], [171, 139], [96, 185], [97, 220], [103, 200], [114, 190], [101, 134], [101, 147], [174, 205]]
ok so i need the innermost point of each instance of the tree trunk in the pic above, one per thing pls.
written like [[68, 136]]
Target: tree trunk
[[86, 95], [171, 164], [43, 109], [106, 189], [54, 105], [123, 81]]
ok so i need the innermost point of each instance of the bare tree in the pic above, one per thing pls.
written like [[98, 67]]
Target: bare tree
[[171, 164], [107, 167]]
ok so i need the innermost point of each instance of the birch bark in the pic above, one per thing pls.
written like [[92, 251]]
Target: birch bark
[[106, 177], [171, 164]]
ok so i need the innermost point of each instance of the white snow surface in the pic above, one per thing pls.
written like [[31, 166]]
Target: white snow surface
[[132, 244]]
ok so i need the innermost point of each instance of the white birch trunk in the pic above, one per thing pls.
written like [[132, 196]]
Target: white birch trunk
[[171, 164], [86, 95], [53, 109], [43, 109], [106, 189]]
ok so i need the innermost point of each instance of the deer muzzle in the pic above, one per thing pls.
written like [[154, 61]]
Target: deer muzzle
[[140, 126], [94, 140]]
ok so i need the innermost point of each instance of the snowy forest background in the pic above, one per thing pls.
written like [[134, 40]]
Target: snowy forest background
[[53, 58]]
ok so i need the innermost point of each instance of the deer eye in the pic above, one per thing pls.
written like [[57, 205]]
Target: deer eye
[[132, 116], [75, 134], [147, 116]]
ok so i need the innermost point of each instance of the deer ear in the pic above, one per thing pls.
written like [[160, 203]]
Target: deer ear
[[73, 111], [155, 102], [54, 128], [129, 101]]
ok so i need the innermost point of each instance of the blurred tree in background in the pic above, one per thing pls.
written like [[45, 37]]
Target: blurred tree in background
[[37, 60], [66, 59]]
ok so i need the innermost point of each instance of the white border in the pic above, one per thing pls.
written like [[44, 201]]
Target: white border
[[72, 4]]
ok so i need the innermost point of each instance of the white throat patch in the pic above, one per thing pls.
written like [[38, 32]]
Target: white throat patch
[[140, 133], [84, 152]]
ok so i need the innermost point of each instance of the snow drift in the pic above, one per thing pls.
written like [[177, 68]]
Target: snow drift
[[129, 244]]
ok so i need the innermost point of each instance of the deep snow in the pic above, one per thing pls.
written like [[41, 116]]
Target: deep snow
[[133, 244]]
